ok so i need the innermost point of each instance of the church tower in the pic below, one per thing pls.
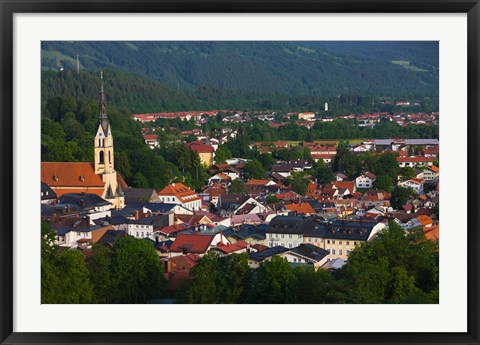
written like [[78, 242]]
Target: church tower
[[103, 151], [103, 142]]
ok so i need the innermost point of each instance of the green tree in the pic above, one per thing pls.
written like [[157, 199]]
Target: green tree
[[267, 161], [273, 282], [100, 271], [299, 185], [217, 279], [136, 274], [222, 154], [64, 274], [254, 170], [393, 268], [323, 173], [139, 181], [408, 173], [400, 196], [237, 187], [383, 182], [271, 199]]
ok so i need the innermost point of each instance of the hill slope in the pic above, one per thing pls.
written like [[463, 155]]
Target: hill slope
[[292, 68]]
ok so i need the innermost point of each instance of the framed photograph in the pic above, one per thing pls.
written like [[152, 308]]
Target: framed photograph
[[239, 172]]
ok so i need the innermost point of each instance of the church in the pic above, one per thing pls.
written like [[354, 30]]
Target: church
[[98, 178]]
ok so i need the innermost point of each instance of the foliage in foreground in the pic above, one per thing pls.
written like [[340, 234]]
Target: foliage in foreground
[[393, 268], [127, 272]]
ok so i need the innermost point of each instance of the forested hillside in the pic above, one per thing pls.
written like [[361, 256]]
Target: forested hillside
[[320, 69], [140, 94]]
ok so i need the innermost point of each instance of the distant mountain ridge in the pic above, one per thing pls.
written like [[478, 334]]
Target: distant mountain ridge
[[291, 68]]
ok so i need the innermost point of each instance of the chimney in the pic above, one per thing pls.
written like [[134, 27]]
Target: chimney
[[136, 215]]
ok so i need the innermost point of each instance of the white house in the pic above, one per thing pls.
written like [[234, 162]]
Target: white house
[[365, 181], [415, 183], [178, 193]]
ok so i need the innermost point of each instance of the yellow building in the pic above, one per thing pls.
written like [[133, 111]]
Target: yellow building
[[306, 116], [205, 152], [339, 238]]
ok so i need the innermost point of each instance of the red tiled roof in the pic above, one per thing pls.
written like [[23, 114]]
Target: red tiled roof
[[192, 243], [230, 248], [434, 169], [350, 185], [201, 148], [150, 136], [425, 220], [194, 219], [432, 233], [416, 159], [257, 182], [70, 174], [179, 190], [304, 208], [259, 247], [168, 230]]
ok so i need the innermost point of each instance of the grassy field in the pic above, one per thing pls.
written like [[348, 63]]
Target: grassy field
[[407, 65]]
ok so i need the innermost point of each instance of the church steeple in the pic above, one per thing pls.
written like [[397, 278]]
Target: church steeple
[[103, 142], [102, 118]]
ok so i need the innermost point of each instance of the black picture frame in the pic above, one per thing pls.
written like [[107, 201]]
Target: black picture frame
[[9, 7]]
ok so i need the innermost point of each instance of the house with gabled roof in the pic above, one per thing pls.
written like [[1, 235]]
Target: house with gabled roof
[[306, 253], [48, 195], [255, 259], [365, 180], [220, 178], [178, 193], [140, 195], [415, 183], [301, 208], [196, 243], [238, 247]]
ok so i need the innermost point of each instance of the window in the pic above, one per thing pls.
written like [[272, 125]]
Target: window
[[101, 157], [290, 235], [340, 252], [270, 235], [283, 235], [328, 241], [136, 235], [348, 243], [354, 243], [79, 233], [289, 245], [333, 241], [348, 252], [142, 234], [300, 236], [309, 239], [333, 251], [339, 242]]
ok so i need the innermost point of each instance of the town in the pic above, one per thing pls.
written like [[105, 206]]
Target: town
[[308, 202]]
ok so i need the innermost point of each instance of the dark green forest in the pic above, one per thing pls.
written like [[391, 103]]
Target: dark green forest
[[142, 95], [318, 69]]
